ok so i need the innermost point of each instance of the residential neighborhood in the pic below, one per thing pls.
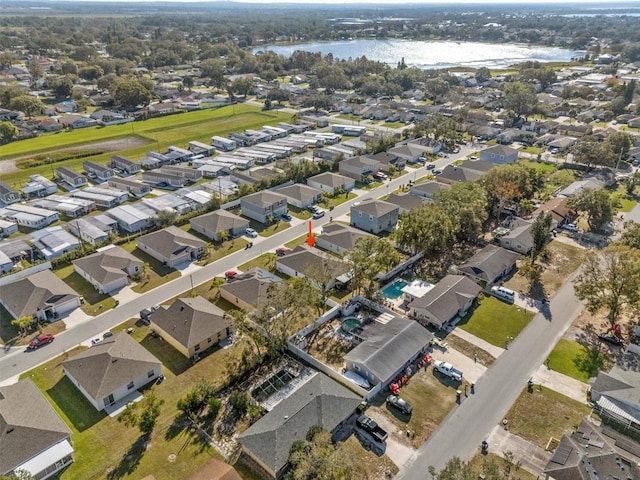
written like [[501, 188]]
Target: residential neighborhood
[[246, 264]]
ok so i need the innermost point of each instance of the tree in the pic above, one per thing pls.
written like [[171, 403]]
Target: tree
[[589, 151], [24, 323], [27, 104], [620, 143], [242, 86], [630, 182], [520, 99], [631, 235], [507, 185], [35, 70], [196, 399], [214, 69], [316, 457], [145, 419], [540, 233], [188, 82], [129, 92], [436, 88], [61, 86], [165, 218], [8, 132], [370, 256], [465, 203], [610, 281], [483, 74], [427, 229], [596, 204], [240, 401], [489, 469]]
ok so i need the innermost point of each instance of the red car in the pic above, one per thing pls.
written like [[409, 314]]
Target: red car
[[41, 340], [230, 274]]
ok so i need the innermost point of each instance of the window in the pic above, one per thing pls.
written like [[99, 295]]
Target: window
[[196, 348], [150, 373], [209, 340], [130, 386]]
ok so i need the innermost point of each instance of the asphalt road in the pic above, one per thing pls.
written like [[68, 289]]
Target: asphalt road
[[16, 360], [468, 424]]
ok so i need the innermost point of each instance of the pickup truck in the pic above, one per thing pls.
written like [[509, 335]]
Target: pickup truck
[[448, 370], [370, 426]]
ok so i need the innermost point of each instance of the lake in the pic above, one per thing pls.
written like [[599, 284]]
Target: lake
[[431, 55]]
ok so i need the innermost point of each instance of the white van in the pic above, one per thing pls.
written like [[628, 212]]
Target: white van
[[503, 293], [571, 227]]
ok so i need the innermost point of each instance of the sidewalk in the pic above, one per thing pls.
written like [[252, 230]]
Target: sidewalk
[[532, 458], [478, 342]]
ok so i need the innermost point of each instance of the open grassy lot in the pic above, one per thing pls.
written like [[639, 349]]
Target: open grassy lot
[[560, 261], [431, 397], [625, 202], [479, 460], [496, 321], [94, 302], [106, 448], [539, 415], [470, 350], [576, 360]]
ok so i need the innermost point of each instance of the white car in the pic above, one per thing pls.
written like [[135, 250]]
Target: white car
[[95, 341], [250, 232], [571, 227]]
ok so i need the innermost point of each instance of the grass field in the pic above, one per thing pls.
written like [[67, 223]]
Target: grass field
[[576, 360], [542, 414], [155, 134], [496, 321]]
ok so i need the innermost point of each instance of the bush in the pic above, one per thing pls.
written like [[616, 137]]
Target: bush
[[54, 157], [240, 401], [214, 404]]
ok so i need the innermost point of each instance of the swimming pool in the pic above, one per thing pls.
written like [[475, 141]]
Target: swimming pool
[[350, 323], [394, 289]]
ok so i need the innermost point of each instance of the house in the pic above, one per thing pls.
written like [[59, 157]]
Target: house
[[428, 189], [94, 230], [34, 438], [451, 297], [453, 174], [76, 121], [211, 225], [158, 109], [300, 195], [388, 160], [102, 196], [331, 182], [519, 238], [191, 325], [411, 152], [616, 394], [125, 165], [489, 265], [405, 201], [97, 171], [559, 210], [109, 269], [7, 228], [588, 454], [172, 246], [112, 370], [263, 206], [71, 177], [562, 143], [374, 216], [132, 187], [386, 348], [28, 216], [574, 130], [69, 206], [53, 242], [308, 262], [8, 195], [320, 401], [246, 290], [338, 238], [39, 186], [359, 168], [499, 154], [578, 186], [164, 178], [190, 174], [132, 218], [41, 295]]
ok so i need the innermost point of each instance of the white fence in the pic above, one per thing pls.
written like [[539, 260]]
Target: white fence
[[403, 266], [14, 277]]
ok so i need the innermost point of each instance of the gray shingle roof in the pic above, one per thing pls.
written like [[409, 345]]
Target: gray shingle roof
[[389, 346], [263, 199], [220, 220], [300, 192], [108, 265], [191, 320], [170, 241], [447, 297], [489, 263], [305, 260], [251, 286], [341, 235], [28, 424], [110, 364], [37, 291], [377, 208], [406, 201], [330, 179], [320, 401]]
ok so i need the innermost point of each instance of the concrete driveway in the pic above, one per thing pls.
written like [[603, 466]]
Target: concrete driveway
[[532, 458], [397, 451]]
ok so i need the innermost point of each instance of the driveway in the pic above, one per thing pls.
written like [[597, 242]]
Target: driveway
[[532, 458], [398, 452]]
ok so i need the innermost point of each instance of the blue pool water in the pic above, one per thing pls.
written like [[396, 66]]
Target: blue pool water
[[394, 289]]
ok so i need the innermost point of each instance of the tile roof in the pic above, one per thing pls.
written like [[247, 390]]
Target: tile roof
[[28, 424], [320, 401], [191, 320], [110, 365], [37, 291]]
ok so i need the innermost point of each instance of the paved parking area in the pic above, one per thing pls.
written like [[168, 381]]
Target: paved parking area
[[532, 458]]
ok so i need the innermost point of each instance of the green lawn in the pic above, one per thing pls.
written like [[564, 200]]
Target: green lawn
[[156, 274], [496, 321], [576, 360], [625, 202], [94, 302], [296, 241], [266, 261], [542, 414]]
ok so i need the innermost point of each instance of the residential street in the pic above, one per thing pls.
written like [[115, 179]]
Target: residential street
[[16, 361], [467, 425]]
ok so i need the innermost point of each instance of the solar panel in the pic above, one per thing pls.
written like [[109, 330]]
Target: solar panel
[[561, 454]]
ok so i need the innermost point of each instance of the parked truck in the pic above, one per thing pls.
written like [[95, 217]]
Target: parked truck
[[370, 426], [447, 369]]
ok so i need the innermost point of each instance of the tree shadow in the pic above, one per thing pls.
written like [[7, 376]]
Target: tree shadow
[[130, 460], [75, 406], [590, 360], [178, 427]]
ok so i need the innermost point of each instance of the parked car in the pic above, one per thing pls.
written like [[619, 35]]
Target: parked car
[[431, 166], [286, 217], [571, 227], [400, 404], [95, 341], [281, 252], [380, 176], [40, 340], [155, 307], [250, 232], [107, 335], [318, 214], [312, 208], [437, 172], [231, 274]]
